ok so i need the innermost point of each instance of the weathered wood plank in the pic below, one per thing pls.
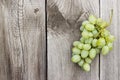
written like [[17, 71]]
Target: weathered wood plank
[[109, 65], [4, 68], [13, 47], [64, 20], [23, 50], [34, 39]]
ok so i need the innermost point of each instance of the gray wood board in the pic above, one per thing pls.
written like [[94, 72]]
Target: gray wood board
[[22, 40], [110, 64], [64, 20]]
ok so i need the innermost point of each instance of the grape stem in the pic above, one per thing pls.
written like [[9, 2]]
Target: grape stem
[[111, 16]]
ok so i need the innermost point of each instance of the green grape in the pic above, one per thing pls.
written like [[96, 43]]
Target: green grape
[[90, 34], [110, 38], [86, 46], [86, 67], [92, 53], [81, 28], [99, 21], [73, 54], [110, 45], [95, 39], [76, 58], [75, 43], [97, 50], [104, 24], [88, 60], [94, 42], [86, 41], [92, 19], [89, 27], [80, 45], [81, 62], [85, 34], [105, 50], [85, 22], [82, 39], [105, 33], [76, 50], [84, 53], [95, 33], [101, 42], [89, 41]]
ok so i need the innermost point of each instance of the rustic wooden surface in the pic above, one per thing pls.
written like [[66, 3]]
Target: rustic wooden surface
[[63, 28], [110, 64], [22, 40], [64, 21], [26, 24]]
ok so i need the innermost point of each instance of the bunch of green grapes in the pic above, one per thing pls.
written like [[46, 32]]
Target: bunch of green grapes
[[95, 38]]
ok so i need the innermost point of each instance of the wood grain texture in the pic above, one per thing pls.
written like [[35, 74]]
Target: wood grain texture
[[110, 64], [23, 41], [34, 39], [4, 67], [64, 20]]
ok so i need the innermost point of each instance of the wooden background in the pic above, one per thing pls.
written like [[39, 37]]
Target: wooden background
[[36, 38]]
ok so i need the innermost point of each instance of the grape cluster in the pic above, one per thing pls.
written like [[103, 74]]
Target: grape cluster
[[95, 38]]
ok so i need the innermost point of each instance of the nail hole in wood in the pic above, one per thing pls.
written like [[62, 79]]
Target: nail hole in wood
[[36, 10]]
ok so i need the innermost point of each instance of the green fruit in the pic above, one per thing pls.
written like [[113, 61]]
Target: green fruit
[[95, 33], [84, 53], [76, 43], [86, 67], [92, 53], [97, 50], [81, 63], [99, 21], [95, 38], [82, 40], [76, 50], [89, 41], [85, 34], [88, 60], [104, 24], [101, 42], [89, 27], [110, 45], [110, 38], [94, 42], [105, 33], [81, 28], [105, 50], [90, 34], [76, 58], [85, 22], [86, 46], [92, 19], [80, 45]]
